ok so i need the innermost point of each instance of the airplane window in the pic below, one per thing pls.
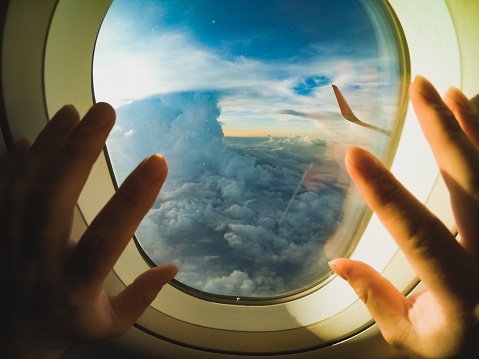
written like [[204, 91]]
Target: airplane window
[[238, 97]]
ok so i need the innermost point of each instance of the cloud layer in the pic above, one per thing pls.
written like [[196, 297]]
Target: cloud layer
[[239, 216]]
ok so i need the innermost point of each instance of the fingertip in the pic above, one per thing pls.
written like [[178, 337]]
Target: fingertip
[[353, 152], [336, 266], [362, 160], [157, 278], [152, 169], [166, 272], [456, 100], [160, 161], [349, 269], [70, 110], [420, 82], [423, 88], [101, 115], [66, 117], [106, 107]]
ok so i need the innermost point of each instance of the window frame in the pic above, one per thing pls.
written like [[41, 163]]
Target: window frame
[[44, 76]]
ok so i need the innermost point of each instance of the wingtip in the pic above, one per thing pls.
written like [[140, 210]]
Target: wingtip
[[349, 115], [343, 105]]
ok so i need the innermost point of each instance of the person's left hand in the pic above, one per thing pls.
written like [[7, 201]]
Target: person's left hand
[[52, 291]]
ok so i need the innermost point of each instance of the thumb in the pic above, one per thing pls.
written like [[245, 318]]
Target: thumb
[[387, 306], [136, 297]]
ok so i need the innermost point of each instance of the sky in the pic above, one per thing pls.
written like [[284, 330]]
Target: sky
[[273, 62], [237, 96]]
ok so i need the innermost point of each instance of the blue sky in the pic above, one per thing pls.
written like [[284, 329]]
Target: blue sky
[[268, 59], [266, 30]]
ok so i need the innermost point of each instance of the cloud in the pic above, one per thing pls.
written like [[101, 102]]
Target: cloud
[[218, 215], [130, 67], [236, 282], [254, 139]]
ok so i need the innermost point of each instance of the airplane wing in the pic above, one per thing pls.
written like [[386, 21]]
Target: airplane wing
[[349, 115]]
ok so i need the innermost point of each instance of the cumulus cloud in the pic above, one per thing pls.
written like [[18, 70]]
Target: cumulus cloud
[[240, 216]]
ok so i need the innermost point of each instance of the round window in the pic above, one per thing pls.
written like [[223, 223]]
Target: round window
[[238, 97]]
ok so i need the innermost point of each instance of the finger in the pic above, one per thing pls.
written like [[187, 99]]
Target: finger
[[107, 236], [9, 165], [475, 103], [388, 307], [62, 184], [135, 298], [456, 156], [465, 113], [453, 150], [26, 178], [466, 208], [68, 172], [47, 144], [428, 245]]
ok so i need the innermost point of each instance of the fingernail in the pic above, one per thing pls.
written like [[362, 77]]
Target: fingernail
[[427, 91], [336, 270], [103, 115], [168, 272], [67, 111], [461, 100], [152, 169], [362, 160], [70, 108], [172, 270]]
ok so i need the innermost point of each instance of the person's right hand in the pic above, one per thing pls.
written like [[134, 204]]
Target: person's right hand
[[442, 322]]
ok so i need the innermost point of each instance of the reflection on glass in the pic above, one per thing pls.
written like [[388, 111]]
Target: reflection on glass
[[237, 96]]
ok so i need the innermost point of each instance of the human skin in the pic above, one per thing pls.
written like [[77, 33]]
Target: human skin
[[52, 287], [442, 322]]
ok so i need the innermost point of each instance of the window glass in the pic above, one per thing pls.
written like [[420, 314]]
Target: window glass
[[238, 97]]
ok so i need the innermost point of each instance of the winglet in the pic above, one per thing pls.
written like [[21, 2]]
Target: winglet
[[351, 117], [343, 105]]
